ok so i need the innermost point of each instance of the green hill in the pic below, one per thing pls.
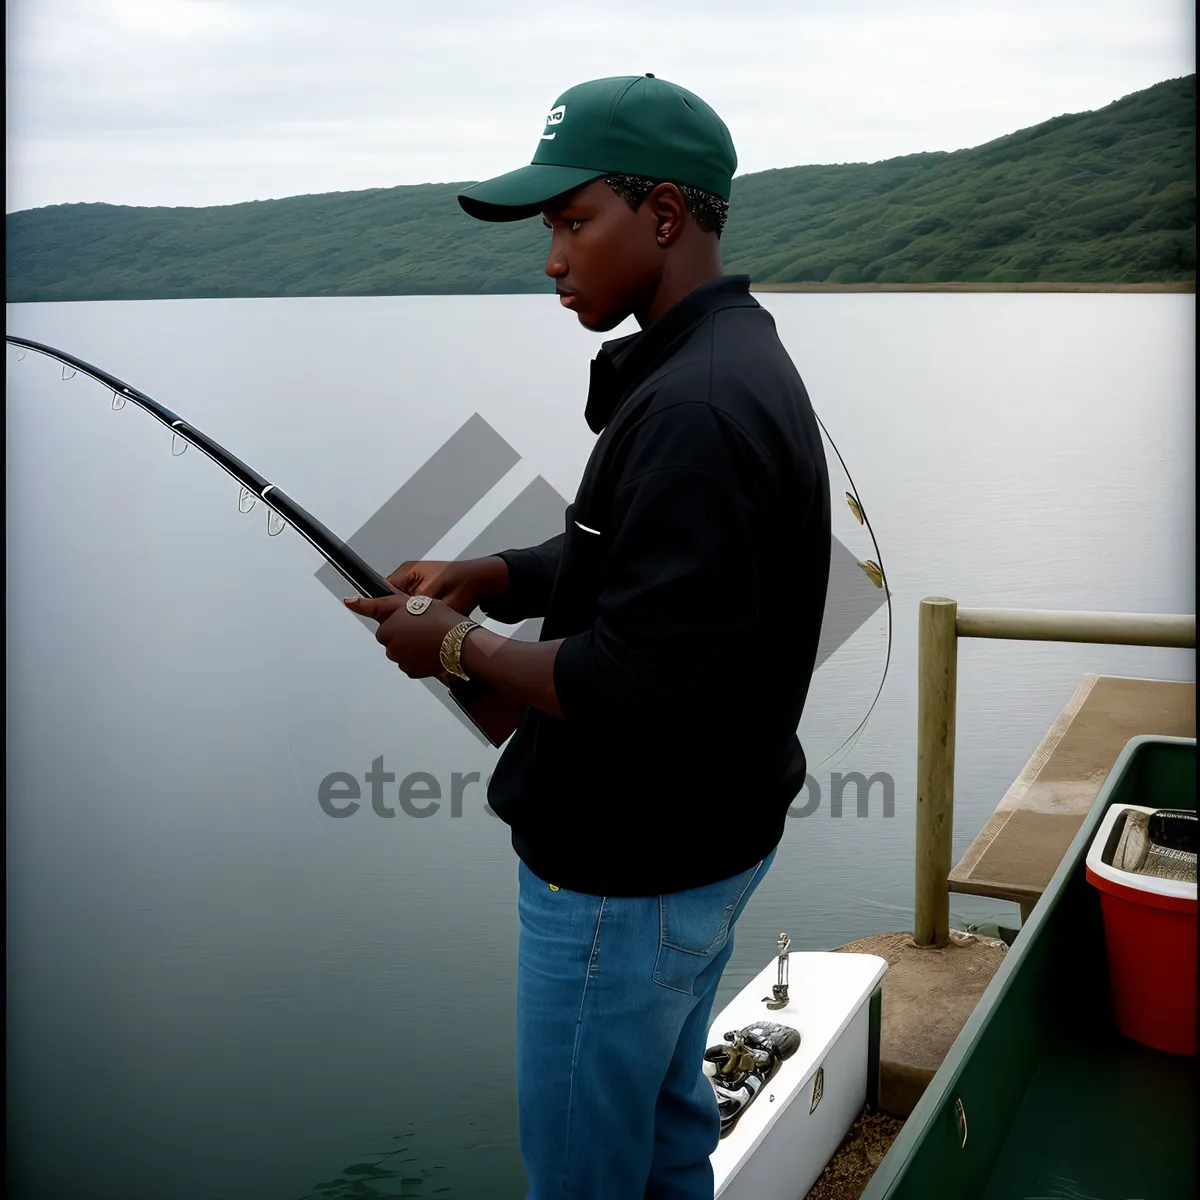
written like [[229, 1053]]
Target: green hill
[[1106, 196]]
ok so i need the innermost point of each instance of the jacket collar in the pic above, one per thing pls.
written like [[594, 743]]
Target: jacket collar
[[623, 362]]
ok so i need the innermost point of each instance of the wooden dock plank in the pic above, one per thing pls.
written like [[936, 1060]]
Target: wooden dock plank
[[1019, 848]]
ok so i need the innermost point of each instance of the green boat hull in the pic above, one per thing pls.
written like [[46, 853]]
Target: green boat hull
[[1040, 1096]]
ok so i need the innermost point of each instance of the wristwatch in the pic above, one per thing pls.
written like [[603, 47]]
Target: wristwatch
[[451, 651]]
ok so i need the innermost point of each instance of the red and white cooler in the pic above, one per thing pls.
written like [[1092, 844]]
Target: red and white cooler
[[1149, 930]]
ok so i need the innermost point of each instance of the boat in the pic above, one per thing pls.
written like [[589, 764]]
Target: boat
[[1042, 1094]]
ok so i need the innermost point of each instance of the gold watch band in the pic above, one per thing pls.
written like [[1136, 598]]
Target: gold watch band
[[451, 652]]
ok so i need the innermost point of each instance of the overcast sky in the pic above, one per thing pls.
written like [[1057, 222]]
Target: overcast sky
[[191, 102]]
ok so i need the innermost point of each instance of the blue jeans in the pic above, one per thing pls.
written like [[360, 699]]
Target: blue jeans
[[614, 1000]]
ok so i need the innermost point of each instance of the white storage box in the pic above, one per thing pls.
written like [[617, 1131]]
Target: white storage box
[[781, 1142]]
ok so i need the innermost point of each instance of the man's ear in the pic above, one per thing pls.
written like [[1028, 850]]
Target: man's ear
[[670, 211]]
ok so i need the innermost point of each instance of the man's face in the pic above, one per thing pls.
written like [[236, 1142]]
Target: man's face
[[604, 257]]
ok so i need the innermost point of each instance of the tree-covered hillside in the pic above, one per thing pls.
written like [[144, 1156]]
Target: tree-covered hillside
[[1106, 196]]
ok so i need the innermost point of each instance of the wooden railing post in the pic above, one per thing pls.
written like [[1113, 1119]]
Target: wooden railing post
[[937, 692]]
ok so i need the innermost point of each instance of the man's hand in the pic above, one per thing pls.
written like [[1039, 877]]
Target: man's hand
[[523, 670], [461, 585], [413, 642]]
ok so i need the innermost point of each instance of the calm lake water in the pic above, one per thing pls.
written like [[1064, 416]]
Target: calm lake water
[[215, 990]]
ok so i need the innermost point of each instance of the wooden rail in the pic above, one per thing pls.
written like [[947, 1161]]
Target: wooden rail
[[941, 623]]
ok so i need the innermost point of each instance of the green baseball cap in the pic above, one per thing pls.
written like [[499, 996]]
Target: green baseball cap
[[625, 125]]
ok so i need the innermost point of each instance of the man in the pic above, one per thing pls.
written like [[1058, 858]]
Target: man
[[647, 784]]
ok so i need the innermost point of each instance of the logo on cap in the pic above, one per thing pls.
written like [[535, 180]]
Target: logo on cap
[[554, 117]]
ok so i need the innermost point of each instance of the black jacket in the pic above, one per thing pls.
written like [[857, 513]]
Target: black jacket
[[689, 585]]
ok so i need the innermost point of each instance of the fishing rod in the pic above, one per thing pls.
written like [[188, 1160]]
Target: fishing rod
[[357, 572], [493, 713]]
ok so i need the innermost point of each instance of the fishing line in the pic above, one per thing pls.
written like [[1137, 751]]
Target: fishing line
[[860, 513]]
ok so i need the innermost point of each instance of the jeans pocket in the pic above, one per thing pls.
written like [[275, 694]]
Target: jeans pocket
[[694, 927]]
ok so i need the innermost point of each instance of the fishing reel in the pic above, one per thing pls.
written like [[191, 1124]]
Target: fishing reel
[[747, 1060]]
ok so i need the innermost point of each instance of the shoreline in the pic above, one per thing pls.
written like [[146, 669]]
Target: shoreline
[[1175, 286]]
